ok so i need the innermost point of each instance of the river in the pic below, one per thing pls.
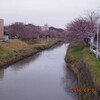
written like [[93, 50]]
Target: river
[[41, 77]]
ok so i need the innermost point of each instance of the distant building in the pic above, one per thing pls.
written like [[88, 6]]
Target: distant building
[[1, 29], [45, 27]]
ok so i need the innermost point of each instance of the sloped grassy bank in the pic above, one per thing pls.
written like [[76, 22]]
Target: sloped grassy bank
[[15, 50], [87, 69]]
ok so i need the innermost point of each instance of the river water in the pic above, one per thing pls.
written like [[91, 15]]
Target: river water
[[41, 77]]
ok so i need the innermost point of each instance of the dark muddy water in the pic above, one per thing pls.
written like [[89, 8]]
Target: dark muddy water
[[41, 77]]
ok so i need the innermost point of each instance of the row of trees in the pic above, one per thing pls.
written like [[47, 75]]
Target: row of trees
[[29, 31], [81, 29], [22, 30]]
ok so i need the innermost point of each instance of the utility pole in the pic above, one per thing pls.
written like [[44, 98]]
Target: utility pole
[[97, 40], [98, 24]]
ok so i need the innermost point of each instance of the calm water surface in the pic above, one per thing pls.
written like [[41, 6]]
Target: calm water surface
[[41, 77]]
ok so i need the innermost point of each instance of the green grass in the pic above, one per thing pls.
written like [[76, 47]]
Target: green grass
[[77, 52], [15, 48], [4, 55], [31, 42], [93, 64], [82, 52]]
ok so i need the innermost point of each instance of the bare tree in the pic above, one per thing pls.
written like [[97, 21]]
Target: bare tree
[[92, 16]]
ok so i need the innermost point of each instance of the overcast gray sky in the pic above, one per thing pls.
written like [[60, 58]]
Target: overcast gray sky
[[53, 12]]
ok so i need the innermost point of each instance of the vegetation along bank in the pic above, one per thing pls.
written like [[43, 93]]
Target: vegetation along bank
[[87, 69], [12, 51]]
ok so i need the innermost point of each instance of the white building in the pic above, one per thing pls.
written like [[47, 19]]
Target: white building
[[45, 27]]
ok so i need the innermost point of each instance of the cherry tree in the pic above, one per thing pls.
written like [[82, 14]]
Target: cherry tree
[[80, 30], [23, 31]]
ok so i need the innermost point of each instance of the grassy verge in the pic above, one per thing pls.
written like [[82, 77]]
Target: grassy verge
[[87, 68], [82, 52], [17, 48]]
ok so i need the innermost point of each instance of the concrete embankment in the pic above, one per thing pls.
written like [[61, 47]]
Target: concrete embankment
[[88, 87]]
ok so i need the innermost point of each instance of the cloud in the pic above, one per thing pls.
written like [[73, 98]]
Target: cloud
[[56, 12]]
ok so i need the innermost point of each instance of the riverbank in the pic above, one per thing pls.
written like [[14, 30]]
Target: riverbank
[[87, 69], [43, 76], [15, 50]]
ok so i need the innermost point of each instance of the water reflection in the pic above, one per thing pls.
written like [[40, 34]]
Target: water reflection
[[69, 82], [41, 77], [1, 73], [24, 63]]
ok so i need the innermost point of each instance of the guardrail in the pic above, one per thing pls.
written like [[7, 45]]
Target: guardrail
[[94, 52]]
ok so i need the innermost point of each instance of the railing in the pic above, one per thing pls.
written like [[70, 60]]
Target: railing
[[93, 49]]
